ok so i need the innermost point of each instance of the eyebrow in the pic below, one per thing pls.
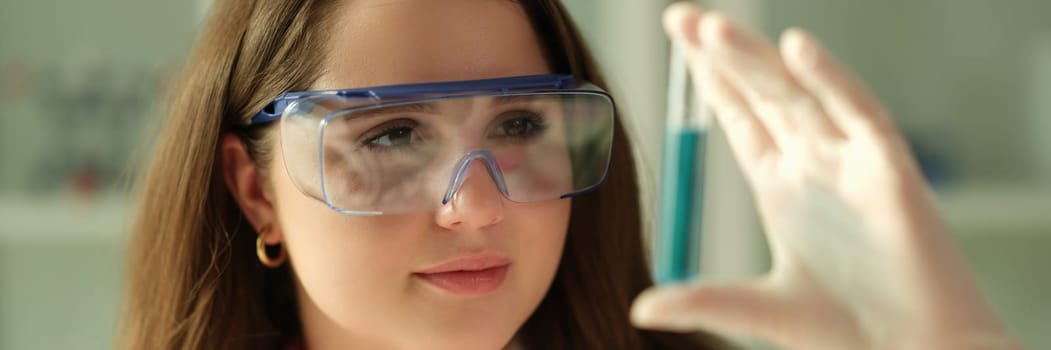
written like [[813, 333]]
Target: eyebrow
[[498, 100], [431, 107], [388, 110]]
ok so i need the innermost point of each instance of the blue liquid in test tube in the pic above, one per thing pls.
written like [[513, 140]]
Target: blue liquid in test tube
[[677, 247]]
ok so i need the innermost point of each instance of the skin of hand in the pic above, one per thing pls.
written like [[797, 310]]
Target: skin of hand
[[861, 259]]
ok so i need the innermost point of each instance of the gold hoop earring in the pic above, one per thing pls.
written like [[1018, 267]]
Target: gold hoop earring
[[260, 250]]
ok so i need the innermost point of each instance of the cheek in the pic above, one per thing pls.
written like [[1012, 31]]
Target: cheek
[[347, 265], [548, 229], [538, 247]]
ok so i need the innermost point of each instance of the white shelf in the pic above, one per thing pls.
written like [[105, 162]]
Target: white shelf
[[59, 218], [994, 210]]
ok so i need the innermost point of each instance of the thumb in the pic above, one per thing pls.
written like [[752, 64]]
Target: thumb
[[746, 309]]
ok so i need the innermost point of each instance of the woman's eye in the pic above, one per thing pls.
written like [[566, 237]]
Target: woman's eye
[[396, 137], [392, 136], [520, 125]]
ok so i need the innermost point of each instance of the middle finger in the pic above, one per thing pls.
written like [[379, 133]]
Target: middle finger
[[754, 66]]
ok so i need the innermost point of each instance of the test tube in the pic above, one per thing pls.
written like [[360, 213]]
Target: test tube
[[677, 248]]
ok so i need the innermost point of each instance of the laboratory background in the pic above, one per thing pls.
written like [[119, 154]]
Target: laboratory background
[[969, 82]]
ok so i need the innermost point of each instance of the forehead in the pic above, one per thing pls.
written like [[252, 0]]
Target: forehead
[[380, 42]]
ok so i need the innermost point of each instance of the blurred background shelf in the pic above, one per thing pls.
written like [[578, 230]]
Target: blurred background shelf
[[61, 271], [997, 210], [63, 218]]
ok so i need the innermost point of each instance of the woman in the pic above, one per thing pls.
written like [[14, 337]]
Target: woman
[[301, 196]]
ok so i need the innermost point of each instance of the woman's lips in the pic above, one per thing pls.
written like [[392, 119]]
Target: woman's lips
[[468, 283], [471, 275]]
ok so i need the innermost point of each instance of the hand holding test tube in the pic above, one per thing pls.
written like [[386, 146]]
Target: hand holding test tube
[[860, 258]]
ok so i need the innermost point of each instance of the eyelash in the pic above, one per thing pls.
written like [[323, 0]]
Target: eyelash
[[385, 129], [538, 123]]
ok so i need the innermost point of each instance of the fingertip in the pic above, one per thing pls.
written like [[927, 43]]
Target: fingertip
[[800, 48], [717, 29], [792, 39], [652, 298], [680, 21], [682, 9], [642, 311], [657, 308]]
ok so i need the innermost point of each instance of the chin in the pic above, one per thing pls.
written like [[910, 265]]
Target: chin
[[478, 339], [476, 333]]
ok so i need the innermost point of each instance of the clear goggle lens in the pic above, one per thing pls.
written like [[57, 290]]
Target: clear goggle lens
[[366, 157]]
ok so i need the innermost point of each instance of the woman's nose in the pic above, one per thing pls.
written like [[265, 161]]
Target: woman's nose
[[476, 204]]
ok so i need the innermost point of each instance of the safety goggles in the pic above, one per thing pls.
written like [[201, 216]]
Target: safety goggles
[[408, 148]]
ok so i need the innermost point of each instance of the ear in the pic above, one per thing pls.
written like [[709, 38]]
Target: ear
[[247, 185]]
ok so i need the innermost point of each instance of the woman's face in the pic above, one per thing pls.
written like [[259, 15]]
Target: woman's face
[[372, 282]]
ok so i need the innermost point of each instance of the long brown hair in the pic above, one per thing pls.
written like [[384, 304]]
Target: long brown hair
[[193, 279]]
